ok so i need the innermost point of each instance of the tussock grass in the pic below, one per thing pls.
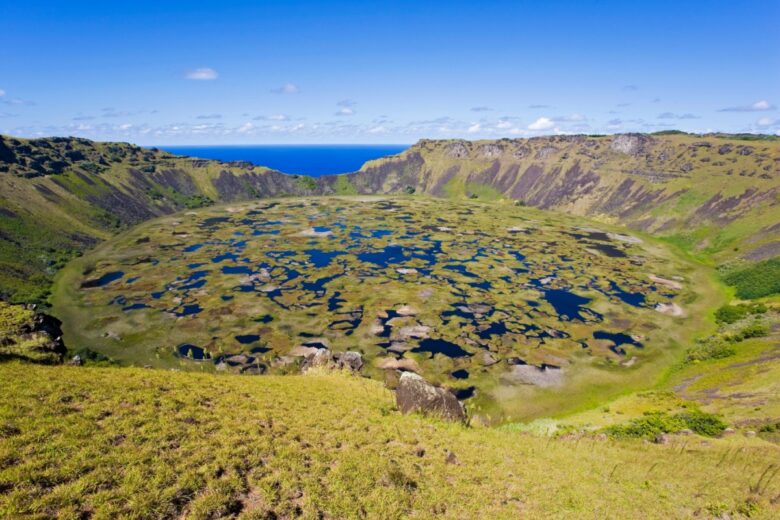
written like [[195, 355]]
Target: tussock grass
[[112, 442]]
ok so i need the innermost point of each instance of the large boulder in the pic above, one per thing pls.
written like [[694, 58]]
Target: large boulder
[[415, 394]]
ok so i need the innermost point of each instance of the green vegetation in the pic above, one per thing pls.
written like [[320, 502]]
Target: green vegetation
[[110, 443], [20, 337], [713, 347], [306, 182], [68, 194], [757, 280], [103, 441], [737, 326], [653, 424], [732, 313], [344, 186], [187, 286]]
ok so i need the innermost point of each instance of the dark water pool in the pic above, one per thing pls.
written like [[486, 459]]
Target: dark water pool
[[103, 280], [440, 346]]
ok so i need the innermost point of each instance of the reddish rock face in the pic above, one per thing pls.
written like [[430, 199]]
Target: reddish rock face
[[415, 394]]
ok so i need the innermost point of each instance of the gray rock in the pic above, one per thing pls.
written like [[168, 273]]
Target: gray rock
[[415, 394], [487, 359], [544, 377], [349, 360], [450, 458], [662, 438], [323, 358], [490, 151], [458, 150], [76, 361], [631, 144]]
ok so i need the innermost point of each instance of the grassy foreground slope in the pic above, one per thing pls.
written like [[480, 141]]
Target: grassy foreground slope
[[104, 442]]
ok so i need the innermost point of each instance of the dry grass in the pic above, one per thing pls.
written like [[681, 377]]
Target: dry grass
[[107, 443]]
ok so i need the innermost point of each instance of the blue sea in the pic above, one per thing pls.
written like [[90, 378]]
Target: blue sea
[[313, 160]]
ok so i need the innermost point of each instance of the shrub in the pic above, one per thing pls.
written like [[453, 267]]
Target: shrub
[[756, 281], [756, 329], [307, 183], [703, 423], [733, 313], [711, 348], [655, 423]]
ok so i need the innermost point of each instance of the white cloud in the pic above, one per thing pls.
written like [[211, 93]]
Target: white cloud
[[473, 129], [672, 115], [481, 109], [19, 102], [543, 123], [766, 121], [125, 126], [273, 117], [2, 92], [345, 111], [246, 127], [287, 88], [203, 74], [503, 125], [377, 130], [759, 106]]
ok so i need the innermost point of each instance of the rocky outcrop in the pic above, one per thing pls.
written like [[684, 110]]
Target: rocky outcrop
[[630, 144], [415, 394], [29, 335], [327, 359]]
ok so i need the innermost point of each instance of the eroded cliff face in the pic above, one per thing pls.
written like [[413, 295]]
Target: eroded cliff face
[[717, 195], [696, 189], [61, 196]]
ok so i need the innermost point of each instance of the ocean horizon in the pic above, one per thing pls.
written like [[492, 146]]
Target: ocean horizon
[[302, 159]]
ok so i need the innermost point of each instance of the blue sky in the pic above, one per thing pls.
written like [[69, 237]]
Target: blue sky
[[186, 72]]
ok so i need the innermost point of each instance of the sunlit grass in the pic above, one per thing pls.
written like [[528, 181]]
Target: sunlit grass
[[140, 443]]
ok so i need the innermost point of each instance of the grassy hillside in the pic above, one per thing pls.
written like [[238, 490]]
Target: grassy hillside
[[92, 442], [716, 197], [61, 196]]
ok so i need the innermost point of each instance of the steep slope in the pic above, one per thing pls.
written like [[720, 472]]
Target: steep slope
[[60, 196], [109, 443], [717, 195]]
